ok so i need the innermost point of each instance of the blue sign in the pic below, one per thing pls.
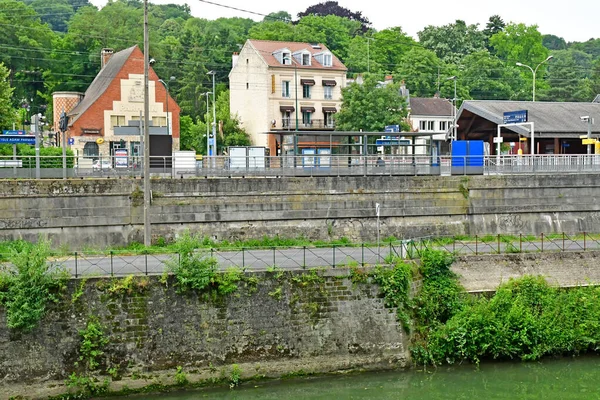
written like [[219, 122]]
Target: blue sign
[[392, 142], [211, 141], [392, 128], [12, 132], [515, 117], [71, 141], [17, 139]]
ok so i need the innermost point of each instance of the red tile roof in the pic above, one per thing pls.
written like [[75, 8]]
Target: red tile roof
[[266, 48]]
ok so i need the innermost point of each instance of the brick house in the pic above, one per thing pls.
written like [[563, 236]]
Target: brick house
[[107, 116]]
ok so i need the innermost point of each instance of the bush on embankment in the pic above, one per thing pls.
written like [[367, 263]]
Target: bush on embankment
[[525, 319]]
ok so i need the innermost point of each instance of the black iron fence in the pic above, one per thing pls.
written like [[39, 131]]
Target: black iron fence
[[121, 263]]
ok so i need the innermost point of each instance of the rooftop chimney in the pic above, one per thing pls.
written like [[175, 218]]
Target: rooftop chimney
[[105, 55], [389, 78], [234, 59]]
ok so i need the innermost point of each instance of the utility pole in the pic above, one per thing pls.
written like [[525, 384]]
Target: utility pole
[[214, 123], [146, 122], [36, 129]]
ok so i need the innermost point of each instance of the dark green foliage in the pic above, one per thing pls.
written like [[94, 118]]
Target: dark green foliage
[[394, 284], [193, 269], [26, 289], [526, 319]]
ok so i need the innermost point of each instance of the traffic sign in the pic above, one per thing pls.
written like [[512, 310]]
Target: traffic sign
[[71, 141], [515, 117], [588, 141], [17, 139], [498, 139], [392, 128]]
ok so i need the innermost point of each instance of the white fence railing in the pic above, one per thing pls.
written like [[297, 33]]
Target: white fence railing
[[305, 165]]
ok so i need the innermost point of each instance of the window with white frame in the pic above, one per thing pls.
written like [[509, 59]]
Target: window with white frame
[[443, 125], [422, 125], [430, 125], [327, 92], [305, 58], [327, 60], [286, 58], [306, 91], [285, 89]]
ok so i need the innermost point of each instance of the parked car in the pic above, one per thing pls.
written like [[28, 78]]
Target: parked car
[[99, 165]]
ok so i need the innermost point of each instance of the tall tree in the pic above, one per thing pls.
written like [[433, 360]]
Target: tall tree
[[553, 42], [7, 112], [421, 70], [568, 77], [453, 41], [333, 8], [55, 13], [486, 77], [519, 43], [370, 107], [335, 32]]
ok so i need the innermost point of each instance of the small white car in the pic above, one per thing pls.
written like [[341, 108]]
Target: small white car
[[101, 165]]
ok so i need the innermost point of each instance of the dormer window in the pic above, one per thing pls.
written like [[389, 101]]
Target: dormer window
[[324, 58], [284, 56], [306, 59]]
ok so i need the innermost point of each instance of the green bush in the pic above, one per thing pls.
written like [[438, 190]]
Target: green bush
[[50, 157], [193, 269], [526, 319], [26, 289]]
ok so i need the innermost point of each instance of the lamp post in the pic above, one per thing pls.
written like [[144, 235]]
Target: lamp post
[[214, 123], [207, 127], [534, 71], [296, 110], [454, 78], [166, 85], [147, 222], [589, 120]]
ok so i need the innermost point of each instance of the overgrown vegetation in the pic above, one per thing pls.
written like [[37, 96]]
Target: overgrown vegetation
[[394, 284], [91, 350], [26, 289]]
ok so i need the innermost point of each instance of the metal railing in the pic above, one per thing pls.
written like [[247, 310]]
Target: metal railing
[[305, 165], [122, 263], [290, 123]]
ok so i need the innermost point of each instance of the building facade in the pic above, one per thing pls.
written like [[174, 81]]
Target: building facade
[[432, 116], [277, 87], [107, 117]]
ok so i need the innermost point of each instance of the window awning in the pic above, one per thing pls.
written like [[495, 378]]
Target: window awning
[[329, 110], [309, 82], [307, 109], [286, 108], [327, 82]]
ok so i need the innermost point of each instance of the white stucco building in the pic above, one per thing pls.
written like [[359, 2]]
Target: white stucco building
[[284, 86]]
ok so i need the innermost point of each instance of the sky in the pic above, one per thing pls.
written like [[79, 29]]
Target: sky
[[575, 21]]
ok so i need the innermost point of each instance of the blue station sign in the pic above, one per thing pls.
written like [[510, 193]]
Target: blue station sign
[[13, 132], [392, 128], [17, 139], [515, 117]]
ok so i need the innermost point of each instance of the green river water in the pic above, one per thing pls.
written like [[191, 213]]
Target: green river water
[[567, 378]]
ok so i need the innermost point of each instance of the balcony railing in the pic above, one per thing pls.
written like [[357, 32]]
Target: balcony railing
[[316, 124]]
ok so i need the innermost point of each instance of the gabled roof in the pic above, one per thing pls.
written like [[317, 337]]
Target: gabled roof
[[548, 117], [430, 106], [101, 83], [266, 48]]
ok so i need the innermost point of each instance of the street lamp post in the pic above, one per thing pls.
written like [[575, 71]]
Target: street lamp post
[[214, 123], [207, 127], [292, 61], [146, 122], [454, 78], [166, 85], [534, 71]]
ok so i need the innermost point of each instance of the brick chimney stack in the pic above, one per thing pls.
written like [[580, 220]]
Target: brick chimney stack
[[105, 55], [234, 59]]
